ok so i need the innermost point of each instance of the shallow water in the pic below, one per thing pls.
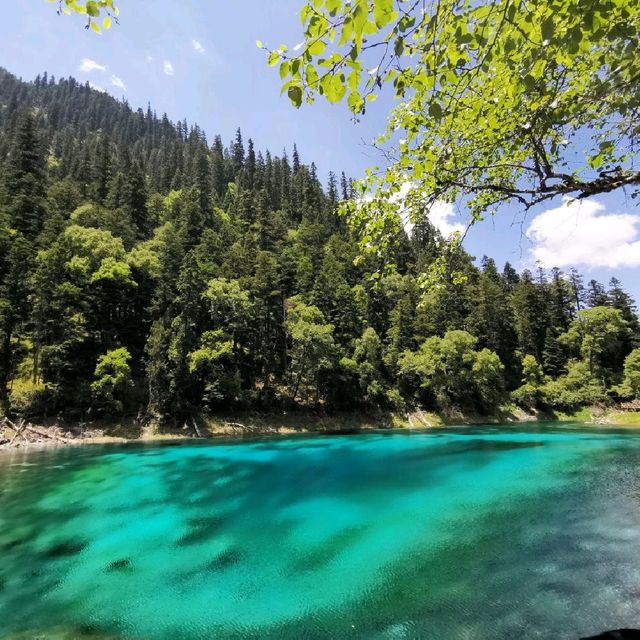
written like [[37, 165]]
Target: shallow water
[[515, 532]]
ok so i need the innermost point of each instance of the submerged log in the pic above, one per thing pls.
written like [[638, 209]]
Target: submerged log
[[44, 434], [239, 425], [24, 429]]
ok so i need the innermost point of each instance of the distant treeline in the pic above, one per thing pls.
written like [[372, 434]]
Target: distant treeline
[[142, 266]]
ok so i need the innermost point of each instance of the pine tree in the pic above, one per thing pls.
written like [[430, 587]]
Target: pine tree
[[102, 169], [237, 154], [530, 311], [16, 256], [344, 187], [250, 166], [25, 179], [218, 173], [510, 277], [134, 198], [596, 294], [560, 304], [577, 290], [296, 160], [553, 357], [492, 321], [332, 192], [619, 299], [202, 185]]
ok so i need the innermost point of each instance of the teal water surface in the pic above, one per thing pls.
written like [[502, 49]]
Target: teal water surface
[[514, 532]]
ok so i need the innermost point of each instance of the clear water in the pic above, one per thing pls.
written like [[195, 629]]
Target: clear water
[[515, 532]]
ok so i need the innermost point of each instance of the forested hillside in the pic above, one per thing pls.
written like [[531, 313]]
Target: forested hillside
[[147, 269]]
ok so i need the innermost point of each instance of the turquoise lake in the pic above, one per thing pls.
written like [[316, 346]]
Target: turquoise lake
[[468, 533]]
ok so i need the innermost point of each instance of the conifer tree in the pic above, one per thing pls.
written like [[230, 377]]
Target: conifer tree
[[237, 154], [24, 187]]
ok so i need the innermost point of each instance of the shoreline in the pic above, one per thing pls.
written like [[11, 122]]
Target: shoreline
[[47, 436]]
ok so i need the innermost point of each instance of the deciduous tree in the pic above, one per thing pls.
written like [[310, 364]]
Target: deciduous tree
[[566, 73]]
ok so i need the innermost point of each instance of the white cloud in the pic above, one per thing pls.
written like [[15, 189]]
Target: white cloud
[[441, 216], [149, 58], [167, 68], [91, 65], [583, 233], [117, 82], [197, 45]]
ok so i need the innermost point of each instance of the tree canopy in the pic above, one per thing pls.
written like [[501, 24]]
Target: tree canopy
[[498, 100], [146, 269]]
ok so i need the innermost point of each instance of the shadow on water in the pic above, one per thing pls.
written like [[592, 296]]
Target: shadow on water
[[556, 574], [200, 529], [124, 564], [538, 542], [321, 555], [65, 549]]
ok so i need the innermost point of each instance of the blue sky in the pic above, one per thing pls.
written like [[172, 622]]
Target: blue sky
[[199, 61]]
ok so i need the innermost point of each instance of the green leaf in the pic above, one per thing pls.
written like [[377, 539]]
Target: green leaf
[[382, 12], [95, 27], [304, 13], [355, 102], [334, 87], [595, 162], [333, 6], [295, 95], [435, 110], [259, 44], [538, 69], [285, 68], [353, 79], [548, 29], [106, 23], [607, 146], [79, 8], [316, 48], [360, 14], [311, 75], [92, 9], [406, 23], [347, 31]]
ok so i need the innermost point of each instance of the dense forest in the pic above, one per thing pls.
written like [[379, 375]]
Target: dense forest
[[145, 269]]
